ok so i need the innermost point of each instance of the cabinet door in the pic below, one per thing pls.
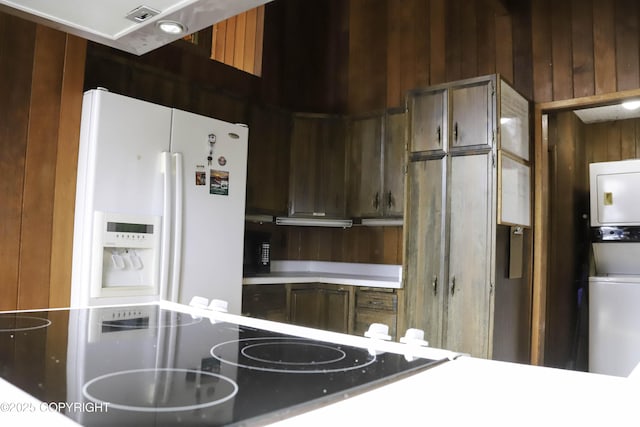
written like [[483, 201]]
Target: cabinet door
[[427, 112], [470, 260], [336, 302], [330, 181], [317, 177], [425, 248], [394, 155], [267, 166], [265, 302], [471, 114], [365, 164], [306, 307], [305, 137]]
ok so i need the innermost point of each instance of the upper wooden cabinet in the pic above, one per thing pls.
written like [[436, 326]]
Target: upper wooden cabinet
[[375, 172], [317, 172], [268, 161], [472, 114], [427, 120], [453, 117]]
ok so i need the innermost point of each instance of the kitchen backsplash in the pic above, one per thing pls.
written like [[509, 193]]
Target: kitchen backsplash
[[373, 245]]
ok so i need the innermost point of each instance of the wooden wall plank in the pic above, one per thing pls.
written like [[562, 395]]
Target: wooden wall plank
[[250, 41], [37, 216], [16, 63], [422, 41], [542, 60], [486, 21], [219, 41], [561, 50], [627, 46], [230, 41], [401, 51], [604, 55], [238, 51], [613, 141], [582, 42], [628, 139], [367, 55], [437, 41], [453, 34], [522, 46], [259, 48], [504, 46], [469, 41], [66, 165]]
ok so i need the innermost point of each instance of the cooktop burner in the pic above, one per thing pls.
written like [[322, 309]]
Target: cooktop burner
[[291, 355], [171, 390], [17, 322], [149, 366]]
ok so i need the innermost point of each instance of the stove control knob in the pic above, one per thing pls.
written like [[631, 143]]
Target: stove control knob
[[378, 331], [219, 305], [414, 337]]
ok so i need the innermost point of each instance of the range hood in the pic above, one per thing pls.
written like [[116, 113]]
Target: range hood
[[133, 26]]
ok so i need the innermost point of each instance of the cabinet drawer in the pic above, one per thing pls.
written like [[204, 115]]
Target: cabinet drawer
[[364, 318], [377, 300]]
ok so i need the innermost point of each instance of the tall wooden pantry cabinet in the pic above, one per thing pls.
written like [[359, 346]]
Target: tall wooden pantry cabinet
[[453, 205]]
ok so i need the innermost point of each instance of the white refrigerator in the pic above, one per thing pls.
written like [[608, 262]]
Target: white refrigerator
[[160, 204]]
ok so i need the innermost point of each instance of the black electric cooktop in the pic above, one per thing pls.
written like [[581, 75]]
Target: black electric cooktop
[[144, 365]]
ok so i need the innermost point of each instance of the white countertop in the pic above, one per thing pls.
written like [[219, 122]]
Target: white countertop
[[339, 273], [478, 392]]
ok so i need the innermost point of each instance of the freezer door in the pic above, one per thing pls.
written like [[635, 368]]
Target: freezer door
[[214, 169], [119, 172]]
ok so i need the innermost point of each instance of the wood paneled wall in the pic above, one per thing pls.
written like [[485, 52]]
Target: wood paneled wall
[[41, 74], [397, 46], [237, 41], [584, 48]]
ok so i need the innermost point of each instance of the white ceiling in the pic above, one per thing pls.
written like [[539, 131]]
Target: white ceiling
[[105, 21], [606, 113]]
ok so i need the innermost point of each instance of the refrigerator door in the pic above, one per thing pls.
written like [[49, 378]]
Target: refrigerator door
[[213, 157], [119, 172]]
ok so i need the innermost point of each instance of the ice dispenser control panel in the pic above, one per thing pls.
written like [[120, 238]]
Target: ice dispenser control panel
[[126, 255]]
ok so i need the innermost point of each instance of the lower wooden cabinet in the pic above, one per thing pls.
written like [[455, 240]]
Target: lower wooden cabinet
[[338, 308], [376, 305], [267, 302], [321, 306]]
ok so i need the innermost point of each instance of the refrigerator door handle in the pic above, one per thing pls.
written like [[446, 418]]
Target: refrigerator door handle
[[166, 224], [177, 229]]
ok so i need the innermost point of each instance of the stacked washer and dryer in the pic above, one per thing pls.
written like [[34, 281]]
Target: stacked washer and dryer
[[614, 293]]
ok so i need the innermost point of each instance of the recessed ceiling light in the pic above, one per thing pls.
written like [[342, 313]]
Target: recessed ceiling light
[[631, 105], [171, 27]]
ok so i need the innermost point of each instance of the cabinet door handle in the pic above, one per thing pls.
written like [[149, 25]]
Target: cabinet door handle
[[455, 131], [389, 200], [439, 135], [453, 285], [434, 285], [376, 200]]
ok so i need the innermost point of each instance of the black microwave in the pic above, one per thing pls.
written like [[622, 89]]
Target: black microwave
[[257, 253]]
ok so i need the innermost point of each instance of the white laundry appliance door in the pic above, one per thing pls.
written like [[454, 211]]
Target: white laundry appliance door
[[614, 324], [211, 158]]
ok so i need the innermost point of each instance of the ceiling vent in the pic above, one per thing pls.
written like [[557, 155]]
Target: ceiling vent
[[142, 13]]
